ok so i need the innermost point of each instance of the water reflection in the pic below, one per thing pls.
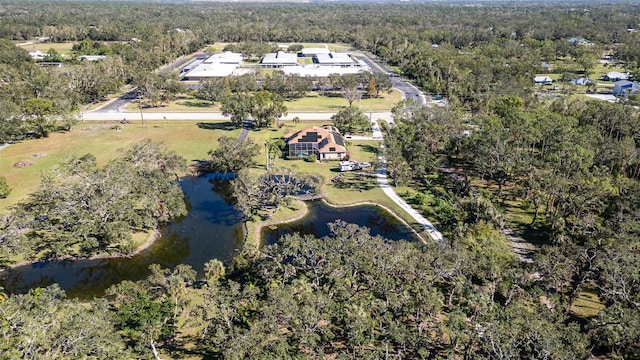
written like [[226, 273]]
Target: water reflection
[[378, 220], [211, 230]]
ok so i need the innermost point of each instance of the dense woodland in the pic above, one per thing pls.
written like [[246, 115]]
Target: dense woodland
[[571, 163]]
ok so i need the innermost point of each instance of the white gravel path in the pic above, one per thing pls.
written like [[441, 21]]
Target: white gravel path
[[383, 182]]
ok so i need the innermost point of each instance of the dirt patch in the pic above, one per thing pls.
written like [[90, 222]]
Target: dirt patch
[[23, 163]]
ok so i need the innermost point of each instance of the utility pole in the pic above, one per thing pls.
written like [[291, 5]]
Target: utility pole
[[140, 106]]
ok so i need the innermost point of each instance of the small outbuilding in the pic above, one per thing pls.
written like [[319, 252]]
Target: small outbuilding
[[615, 76], [542, 80], [624, 88]]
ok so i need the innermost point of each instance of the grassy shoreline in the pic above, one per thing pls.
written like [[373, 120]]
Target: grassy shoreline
[[151, 237], [253, 239]]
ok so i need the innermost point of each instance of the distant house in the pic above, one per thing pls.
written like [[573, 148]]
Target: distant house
[[624, 88], [545, 66], [581, 81], [92, 57], [615, 76], [37, 54], [325, 142], [580, 41], [542, 80]]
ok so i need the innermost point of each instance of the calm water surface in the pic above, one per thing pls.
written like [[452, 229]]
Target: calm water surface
[[378, 220], [213, 229]]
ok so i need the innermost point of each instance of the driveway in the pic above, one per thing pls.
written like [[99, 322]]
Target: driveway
[[113, 111], [383, 182], [605, 97]]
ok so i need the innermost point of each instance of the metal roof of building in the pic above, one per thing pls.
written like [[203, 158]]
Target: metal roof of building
[[312, 51], [323, 71], [210, 70], [226, 57], [335, 59], [280, 57]]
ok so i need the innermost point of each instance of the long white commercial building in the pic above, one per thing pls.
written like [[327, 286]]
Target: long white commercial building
[[217, 65]]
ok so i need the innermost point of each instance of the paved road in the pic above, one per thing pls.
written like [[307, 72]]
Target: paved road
[[408, 90], [107, 115], [118, 104], [114, 111]]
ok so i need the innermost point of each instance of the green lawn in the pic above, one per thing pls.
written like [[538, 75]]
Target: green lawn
[[358, 187], [569, 66], [190, 139], [62, 48], [335, 47], [184, 104], [587, 305], [313, 102]]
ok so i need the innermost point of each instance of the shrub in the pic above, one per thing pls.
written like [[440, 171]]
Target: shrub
[[310, 158], [4, 188]]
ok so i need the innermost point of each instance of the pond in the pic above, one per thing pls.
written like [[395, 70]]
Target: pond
[[378, 220], [212, 229]]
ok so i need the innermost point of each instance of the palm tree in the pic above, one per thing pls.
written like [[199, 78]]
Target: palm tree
[[214, 270], [273, 149]]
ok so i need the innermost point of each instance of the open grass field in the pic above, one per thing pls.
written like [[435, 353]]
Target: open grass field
[[313, 102], [190, 139], [183, 104], [62, 48], [335, 47]]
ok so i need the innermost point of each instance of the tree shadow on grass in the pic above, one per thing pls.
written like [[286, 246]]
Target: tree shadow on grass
[[218, 125], [188, 346], [196, 103], [356, 181], [368, 148]]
